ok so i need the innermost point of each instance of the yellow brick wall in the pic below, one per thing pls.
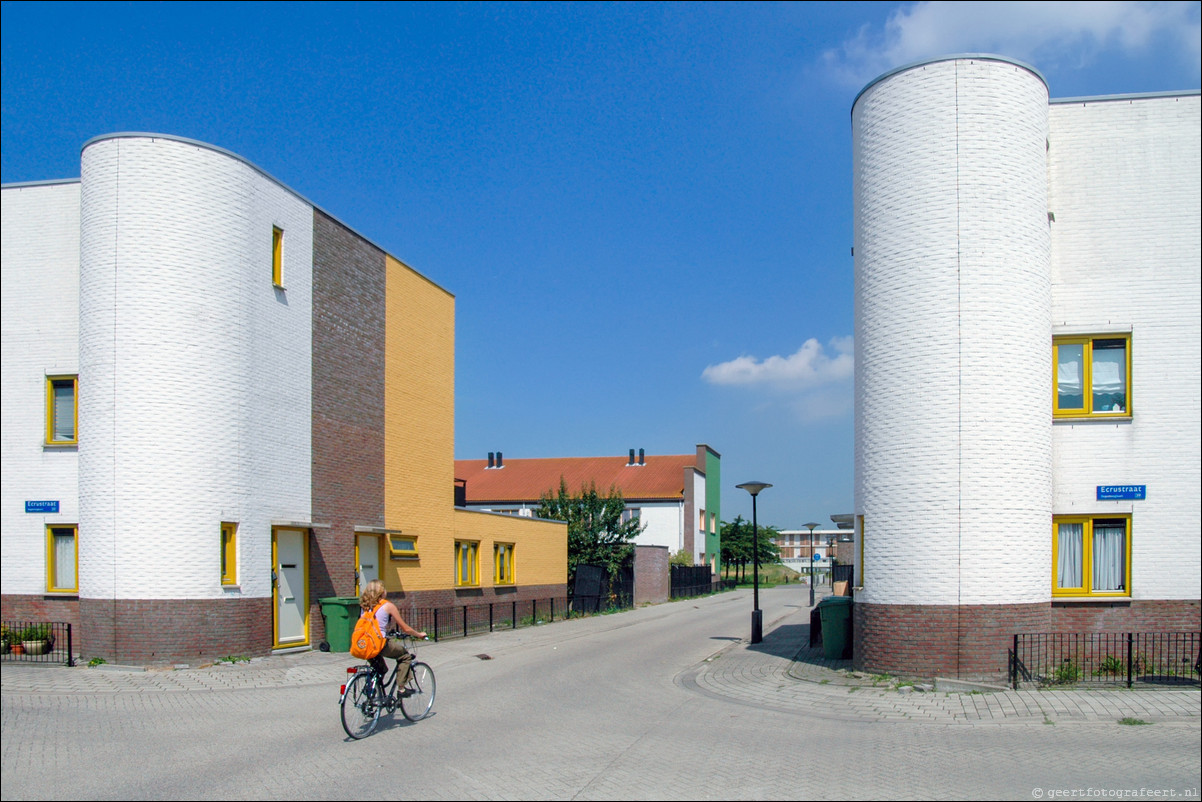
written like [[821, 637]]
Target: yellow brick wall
[[419, 427], [540, 548], [419, 453]]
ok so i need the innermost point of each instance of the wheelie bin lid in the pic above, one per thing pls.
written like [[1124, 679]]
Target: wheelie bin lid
[[831, 601]]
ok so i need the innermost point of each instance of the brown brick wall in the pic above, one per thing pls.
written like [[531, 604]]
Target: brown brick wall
[[407, 602], [969, 641], [348, 405], [652, 577], [39, 609], [1132, 616], [162, 631], [973, 641]]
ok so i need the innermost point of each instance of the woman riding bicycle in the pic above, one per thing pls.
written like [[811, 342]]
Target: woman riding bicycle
[[389, 618]]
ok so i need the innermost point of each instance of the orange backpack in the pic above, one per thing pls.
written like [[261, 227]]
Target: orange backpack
[[367, 640]]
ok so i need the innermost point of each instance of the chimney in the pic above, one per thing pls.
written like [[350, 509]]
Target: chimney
[[631, 462], [641, 457], [490, 462], [499, 464]]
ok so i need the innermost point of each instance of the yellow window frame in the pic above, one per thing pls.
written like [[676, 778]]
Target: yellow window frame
[[502, 554], [1086, 409], [860, 548], [52, 383], [1087, 523], [277, 256], [52, 564], [229, 553], [402, 547], [467, 563]]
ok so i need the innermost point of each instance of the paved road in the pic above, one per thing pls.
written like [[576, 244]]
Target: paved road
[[664, 702]]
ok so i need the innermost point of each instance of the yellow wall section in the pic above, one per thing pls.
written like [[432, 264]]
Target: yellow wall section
[[419, 426], [419, 453], [540, 551]]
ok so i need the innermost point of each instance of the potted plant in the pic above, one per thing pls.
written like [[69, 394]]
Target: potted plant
[[5, 638], [36, 639]]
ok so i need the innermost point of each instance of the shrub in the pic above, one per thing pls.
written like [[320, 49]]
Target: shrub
[[1067, 673], [36, 632], [1111, 665]]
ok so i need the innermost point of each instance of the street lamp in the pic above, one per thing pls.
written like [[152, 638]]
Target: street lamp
[[830, 560], [811, 526], [757, 616]]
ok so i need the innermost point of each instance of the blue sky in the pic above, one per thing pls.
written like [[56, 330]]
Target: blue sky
[[643, 210]]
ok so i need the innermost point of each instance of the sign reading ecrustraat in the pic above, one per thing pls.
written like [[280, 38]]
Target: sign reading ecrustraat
[[1122, 492], [41, 506]]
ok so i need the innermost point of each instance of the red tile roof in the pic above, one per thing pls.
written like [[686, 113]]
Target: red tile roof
[[527, 480]]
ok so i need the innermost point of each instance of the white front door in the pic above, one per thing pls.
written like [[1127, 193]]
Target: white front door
[[367, 560], [290, 575]]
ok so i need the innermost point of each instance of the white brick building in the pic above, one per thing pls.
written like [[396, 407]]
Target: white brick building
[[198, 443], [1027, 325]]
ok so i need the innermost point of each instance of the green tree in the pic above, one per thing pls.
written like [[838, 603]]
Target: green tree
[[597, 533], [682, 557], [737, 549], [769, 551], [736, 545]]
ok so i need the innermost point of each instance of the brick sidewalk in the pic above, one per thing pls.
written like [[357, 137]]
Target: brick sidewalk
[[772, 675]]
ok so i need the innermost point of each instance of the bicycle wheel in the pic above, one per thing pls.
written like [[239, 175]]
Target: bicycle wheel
[[418, 696], [360, 707]]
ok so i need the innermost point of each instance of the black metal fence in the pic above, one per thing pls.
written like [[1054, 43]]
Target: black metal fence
[[594, 590], [1074, 658], [843, 573], [37, 642], [692, 580], [441, 623]]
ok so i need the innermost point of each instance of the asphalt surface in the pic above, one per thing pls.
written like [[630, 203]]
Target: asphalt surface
[[201, 731]]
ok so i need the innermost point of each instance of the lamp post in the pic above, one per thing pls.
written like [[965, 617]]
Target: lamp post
[[757, 616], [830, 560], [811, 526]]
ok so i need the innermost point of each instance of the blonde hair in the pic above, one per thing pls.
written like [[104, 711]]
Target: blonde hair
[[372, 594]]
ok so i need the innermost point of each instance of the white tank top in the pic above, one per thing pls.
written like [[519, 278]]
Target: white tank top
[[383, 618]]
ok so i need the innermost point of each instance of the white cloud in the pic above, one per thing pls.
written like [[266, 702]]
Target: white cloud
[[1044, 33], [810, 367]]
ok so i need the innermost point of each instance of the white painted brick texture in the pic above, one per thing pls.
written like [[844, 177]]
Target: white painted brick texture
[[953, 447], [198, 401], [40, 263], [1125, 180]]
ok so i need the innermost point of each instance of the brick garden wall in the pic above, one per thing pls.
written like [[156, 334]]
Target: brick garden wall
[[652, 577], [161, 631]]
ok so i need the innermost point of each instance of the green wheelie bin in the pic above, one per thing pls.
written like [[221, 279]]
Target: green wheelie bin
[[340, 613], [836, 625]]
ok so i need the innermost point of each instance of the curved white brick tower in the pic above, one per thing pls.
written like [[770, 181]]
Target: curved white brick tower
[[195, 407], [953, 462]]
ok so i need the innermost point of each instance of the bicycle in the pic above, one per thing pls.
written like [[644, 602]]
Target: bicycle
[[366, 695]]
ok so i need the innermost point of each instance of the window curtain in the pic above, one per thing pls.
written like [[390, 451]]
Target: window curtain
[[1109, 380], [64, 410], [1069, 547], [1109, 555], [1070, 378], [64, 559]]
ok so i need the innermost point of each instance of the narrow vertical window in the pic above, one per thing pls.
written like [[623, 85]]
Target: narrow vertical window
[[62, 410], [860, 547], [277, 257], [503, 563], [62, 557], [229, 554], [467, 563]]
